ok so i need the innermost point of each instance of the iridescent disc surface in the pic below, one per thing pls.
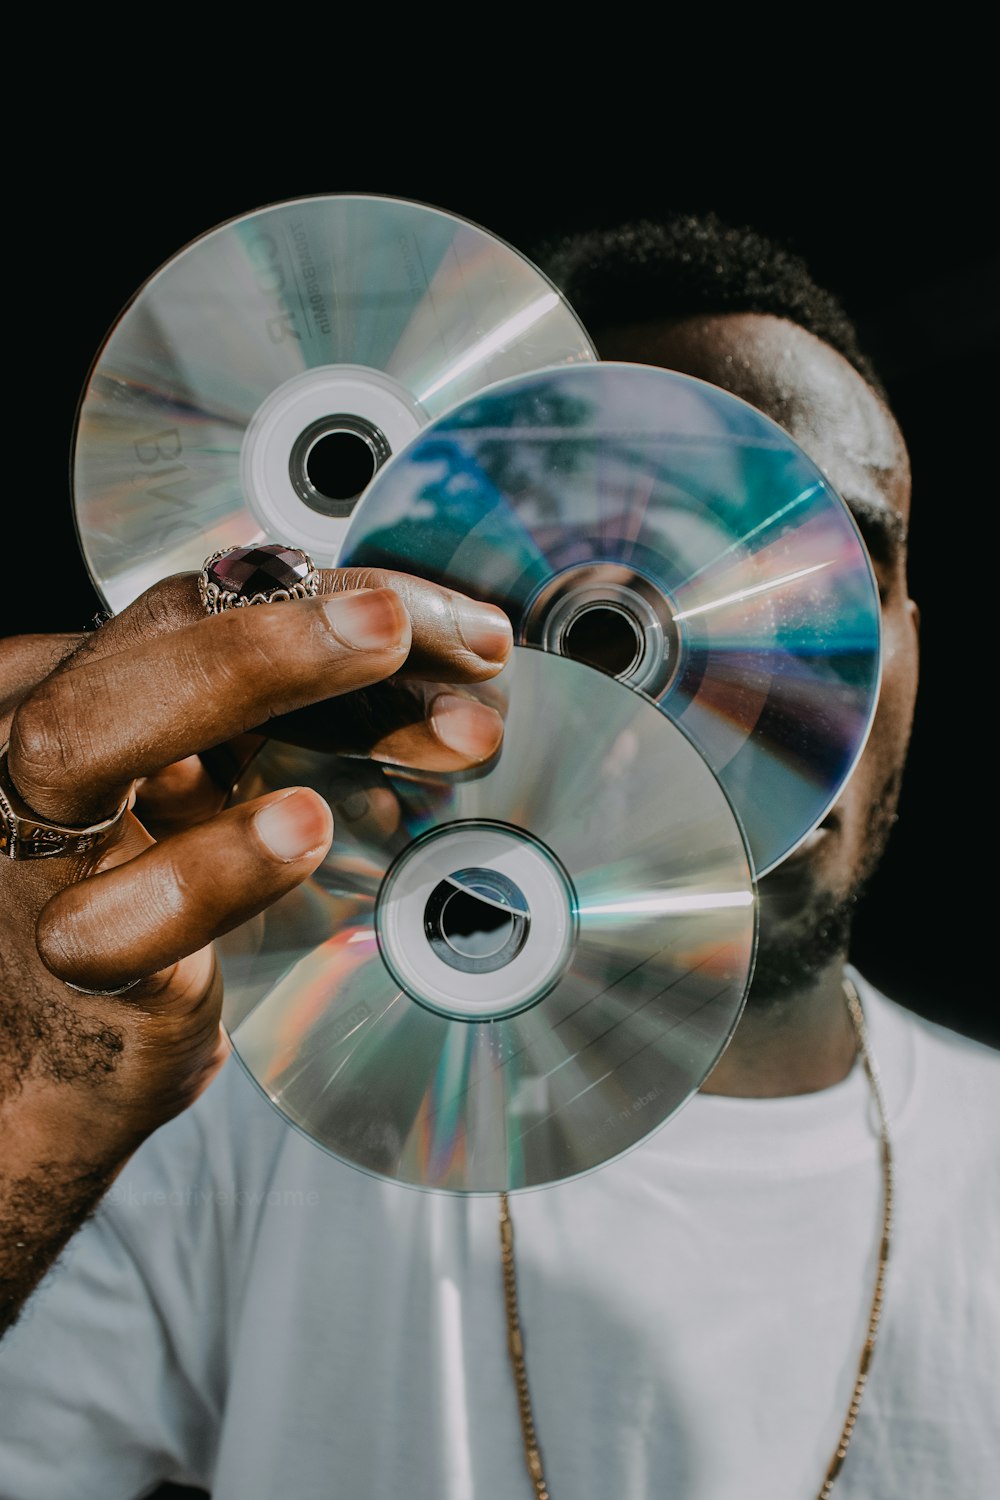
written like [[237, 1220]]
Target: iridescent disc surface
[[261, 376], [667, 531], [502, 981]]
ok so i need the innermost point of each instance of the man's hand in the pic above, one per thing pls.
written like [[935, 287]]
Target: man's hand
[[85, 1077]]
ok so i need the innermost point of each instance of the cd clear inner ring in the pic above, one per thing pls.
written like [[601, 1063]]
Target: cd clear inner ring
[[609, 618], [333, 459], [313, 445], [476, 920]]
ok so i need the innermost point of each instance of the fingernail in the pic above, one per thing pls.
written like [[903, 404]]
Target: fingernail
[[294, 825], [367, 620], [470, 728], [484, 629]]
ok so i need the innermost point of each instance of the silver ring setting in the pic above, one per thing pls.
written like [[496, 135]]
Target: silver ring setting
[[26, 835], [102, 994], [237, 577]]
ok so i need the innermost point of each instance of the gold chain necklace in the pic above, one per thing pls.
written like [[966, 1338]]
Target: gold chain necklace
[[515, 1341]]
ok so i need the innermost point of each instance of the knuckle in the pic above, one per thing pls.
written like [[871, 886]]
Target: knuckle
[[40, 749], [58, 937], [344, 580], [56, 735], [270, 640], [166, 606], [170, 892], [255, 663], [236, 660], [92, 925], [26, 660]]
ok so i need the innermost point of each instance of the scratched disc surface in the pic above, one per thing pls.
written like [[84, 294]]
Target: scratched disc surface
[[504, 980], [259, 379]]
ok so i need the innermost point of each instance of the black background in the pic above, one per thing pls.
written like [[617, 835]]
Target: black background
[[908, 252]]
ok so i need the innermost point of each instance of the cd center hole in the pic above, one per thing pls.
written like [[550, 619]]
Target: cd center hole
[[605, 638], [473, 927], [340, 465]]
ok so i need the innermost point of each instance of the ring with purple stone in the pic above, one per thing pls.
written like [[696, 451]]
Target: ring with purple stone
[[238, 576]]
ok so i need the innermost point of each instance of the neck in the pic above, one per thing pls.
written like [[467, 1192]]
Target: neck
[[796, 1045]]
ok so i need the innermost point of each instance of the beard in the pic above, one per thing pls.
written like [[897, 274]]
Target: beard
[[794, 953], [793, 958]]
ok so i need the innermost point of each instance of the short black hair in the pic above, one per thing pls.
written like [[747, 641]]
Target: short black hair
[[694, 263]]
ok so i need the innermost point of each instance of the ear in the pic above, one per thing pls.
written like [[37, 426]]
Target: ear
[[913, 612], [913, 619]]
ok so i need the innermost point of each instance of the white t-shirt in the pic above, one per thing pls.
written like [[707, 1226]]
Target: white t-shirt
[[248, 1314]]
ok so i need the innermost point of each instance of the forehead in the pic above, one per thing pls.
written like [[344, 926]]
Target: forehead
[[795, 378]]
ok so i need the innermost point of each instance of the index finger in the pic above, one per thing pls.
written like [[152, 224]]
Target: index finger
[[88, 730], [455, 638]]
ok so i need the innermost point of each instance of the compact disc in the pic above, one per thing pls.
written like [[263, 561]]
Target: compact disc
[[666, 531], [505, 979], [262, 376]]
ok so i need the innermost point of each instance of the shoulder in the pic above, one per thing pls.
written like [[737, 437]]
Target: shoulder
[[937, 1045], [936, 1081]]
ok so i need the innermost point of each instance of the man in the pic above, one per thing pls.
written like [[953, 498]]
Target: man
[[246, 1314]]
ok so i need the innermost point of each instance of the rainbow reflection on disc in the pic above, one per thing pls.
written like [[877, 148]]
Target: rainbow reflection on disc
[[259, 379], [504, 980], [666, 531]]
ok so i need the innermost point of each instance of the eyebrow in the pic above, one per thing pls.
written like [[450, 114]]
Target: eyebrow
[[883, 527]]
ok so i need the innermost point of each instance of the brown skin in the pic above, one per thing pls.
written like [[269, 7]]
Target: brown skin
[[89, 1078], [85, 1078], [805, 1041]]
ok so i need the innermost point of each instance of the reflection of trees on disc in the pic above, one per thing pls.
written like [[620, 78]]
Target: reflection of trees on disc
[[685, 526]]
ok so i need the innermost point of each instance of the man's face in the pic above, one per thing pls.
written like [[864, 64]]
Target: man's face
[[832, 413]]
